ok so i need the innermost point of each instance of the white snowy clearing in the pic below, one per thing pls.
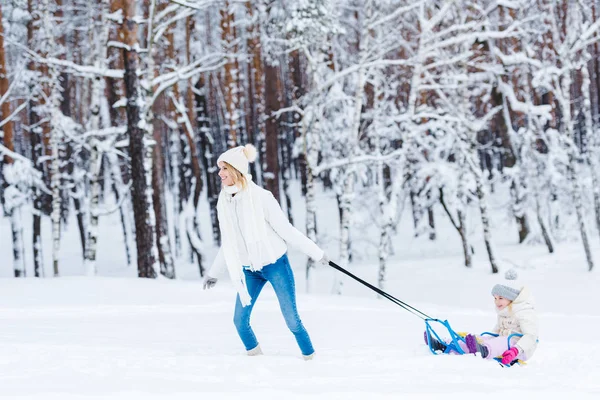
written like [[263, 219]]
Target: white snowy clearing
[[119, 337]]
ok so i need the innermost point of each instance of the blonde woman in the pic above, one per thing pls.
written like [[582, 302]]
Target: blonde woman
[[254, 237]]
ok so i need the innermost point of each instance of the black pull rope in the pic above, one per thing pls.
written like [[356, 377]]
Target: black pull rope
[[388, 296]]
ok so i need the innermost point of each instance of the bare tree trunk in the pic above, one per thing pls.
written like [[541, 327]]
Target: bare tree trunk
[[545, 231], [518, 188], [431, 221], [271, 168], [57, 102], [345, 224], [11, 210], [197, 182], [459, 224], [175, 165], [593, 163], [185, 108], [461, 216], [572, 176], [230, 75], [298, 91], [118, 116], [592, 149], [311, 150], [163, 242], [384, 225], [92, 235], [77, 194], [36, 152], [139, 150], [286, 138], [207, 152], [256, 90], [485, 222], [118, 185]]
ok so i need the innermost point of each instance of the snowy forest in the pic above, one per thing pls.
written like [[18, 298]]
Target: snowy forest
[[123, 106]]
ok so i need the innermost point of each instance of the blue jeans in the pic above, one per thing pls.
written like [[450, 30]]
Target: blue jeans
[[282, 279]]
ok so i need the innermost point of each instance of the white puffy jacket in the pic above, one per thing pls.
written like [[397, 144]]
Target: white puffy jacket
[[280, 232], [520, 317]]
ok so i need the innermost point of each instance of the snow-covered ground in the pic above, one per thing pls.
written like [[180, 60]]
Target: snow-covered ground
[[118, 337]]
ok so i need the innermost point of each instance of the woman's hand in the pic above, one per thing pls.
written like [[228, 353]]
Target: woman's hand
[[209, 282], [324, 261]]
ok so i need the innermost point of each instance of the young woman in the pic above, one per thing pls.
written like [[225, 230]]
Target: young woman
[[254, 237]]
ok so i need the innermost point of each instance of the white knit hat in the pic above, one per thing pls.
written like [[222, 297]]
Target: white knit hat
[[238, 157], [509, 290]]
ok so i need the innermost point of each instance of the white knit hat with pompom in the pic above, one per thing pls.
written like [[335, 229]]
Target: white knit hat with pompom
[[239, 157], [510, 289]]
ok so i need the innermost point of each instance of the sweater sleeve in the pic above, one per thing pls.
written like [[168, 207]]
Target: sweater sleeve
[[281, 225], [529, 327], [218, 264]]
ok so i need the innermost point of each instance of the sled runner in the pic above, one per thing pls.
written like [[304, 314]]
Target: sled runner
[[429, 331]]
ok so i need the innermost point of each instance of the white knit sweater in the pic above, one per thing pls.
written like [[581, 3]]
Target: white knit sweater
[[280, 232]]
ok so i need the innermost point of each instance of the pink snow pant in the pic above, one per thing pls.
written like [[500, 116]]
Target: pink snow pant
[[496, 345]]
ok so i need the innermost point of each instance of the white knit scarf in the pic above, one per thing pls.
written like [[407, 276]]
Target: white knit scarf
[[254, 232]]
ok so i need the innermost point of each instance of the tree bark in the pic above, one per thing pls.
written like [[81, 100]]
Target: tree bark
[[11, 210], [36, 151], [138, 149], [255, 124], [271, 168], [163, 242], [572, 176], [298, 91], [230, 75], [207, 151]]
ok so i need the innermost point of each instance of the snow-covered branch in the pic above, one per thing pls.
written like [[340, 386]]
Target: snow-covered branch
[[543, 110], [160, 29], [111, 131], [197, 5], [400, 11], [293, 108], [354, 68], [69, 66], [13, 114], [28, 169], [210, 62], [362, 159]]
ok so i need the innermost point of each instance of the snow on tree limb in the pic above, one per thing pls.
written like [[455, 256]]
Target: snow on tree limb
[[198, 5], [13, 114], [394, 156], [527, 108], [28, 169], [207, 63]]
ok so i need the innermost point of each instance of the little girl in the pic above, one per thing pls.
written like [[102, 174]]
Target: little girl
[[516, 314]]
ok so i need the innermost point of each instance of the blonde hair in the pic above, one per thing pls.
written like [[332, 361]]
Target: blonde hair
[[236, 175]]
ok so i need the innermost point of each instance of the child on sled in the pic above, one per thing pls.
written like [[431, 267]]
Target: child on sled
[[516, 314]]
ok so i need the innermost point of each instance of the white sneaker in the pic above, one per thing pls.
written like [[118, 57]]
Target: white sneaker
[[257, 351], [308, 357]]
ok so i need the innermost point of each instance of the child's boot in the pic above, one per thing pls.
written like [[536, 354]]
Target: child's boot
[[436, 345], [475, 347]]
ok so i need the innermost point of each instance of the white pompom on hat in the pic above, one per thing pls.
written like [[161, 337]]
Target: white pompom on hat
[[509, 290], [239, 157]]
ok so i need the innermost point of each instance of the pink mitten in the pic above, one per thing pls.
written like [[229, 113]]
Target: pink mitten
[[509, 355]]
